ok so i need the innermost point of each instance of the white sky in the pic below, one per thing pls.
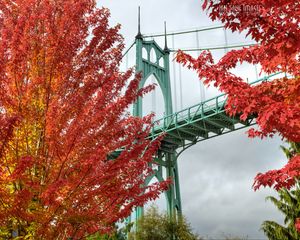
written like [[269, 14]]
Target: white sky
[[216, 175]]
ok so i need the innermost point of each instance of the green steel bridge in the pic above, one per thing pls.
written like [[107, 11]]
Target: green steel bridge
[[181, 129], [199, 122]]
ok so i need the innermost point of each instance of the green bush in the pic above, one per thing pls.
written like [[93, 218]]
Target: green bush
[[158, 226]]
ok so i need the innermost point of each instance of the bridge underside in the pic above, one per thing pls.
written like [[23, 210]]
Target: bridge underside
[[197, 123], [190, 131]]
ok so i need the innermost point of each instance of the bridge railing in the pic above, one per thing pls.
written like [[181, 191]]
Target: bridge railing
[[213, 105]]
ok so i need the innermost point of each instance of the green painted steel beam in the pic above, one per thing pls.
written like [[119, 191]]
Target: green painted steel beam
[[174, 134], [185, 135], [218, 121], [168, 145], [187, 131], [172, 140], [233, 120], [205, 127], [215, 123]]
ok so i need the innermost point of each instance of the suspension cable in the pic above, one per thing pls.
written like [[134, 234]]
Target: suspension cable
[[226, 41], [174, 77], [180, 87], [126, 61], [256, 72], [201, 85], [183, 32], [128, 50], [214, 48]]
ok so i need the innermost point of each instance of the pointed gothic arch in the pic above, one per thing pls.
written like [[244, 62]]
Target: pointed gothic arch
[[155, 100]]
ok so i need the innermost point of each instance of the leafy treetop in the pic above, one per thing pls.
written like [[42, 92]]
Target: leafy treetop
[[63, 111]]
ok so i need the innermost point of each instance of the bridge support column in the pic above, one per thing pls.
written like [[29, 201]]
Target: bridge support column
[[159, 68], [173, 193]]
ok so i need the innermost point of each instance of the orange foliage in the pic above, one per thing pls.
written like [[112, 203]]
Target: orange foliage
[[62, 113]]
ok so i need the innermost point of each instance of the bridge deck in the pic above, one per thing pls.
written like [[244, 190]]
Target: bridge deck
[[197, 123], [202, 121]]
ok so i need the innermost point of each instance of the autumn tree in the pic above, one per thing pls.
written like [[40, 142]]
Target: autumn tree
[[274, 25], [63, 112]]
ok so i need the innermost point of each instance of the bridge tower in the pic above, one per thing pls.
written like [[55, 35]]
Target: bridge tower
[[166, 160]]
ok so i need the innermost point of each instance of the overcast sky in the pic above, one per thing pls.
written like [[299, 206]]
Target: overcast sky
[[216, 175]]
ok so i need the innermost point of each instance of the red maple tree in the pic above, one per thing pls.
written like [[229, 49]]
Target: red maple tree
[[63, 112], [275, 26]]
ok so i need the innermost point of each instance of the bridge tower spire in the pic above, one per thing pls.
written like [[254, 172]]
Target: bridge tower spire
[[166, 49], [139, 34], [160, 69]]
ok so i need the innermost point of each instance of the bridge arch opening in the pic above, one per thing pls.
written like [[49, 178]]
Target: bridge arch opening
[[154, 102], [153, 57], [145, 54], [161, 62]]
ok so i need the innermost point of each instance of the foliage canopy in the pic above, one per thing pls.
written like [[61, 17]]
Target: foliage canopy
[[63, 111]]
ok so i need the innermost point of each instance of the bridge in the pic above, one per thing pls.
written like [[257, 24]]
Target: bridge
[[184, 128], [199, 122]]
